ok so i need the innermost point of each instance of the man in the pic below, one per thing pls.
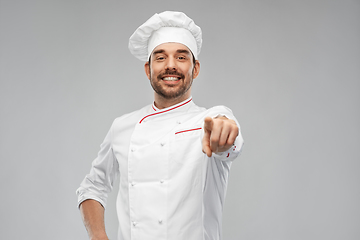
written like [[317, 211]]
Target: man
[[173, 157]]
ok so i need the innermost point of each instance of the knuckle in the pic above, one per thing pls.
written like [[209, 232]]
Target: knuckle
[[222, 143], [214, 140]]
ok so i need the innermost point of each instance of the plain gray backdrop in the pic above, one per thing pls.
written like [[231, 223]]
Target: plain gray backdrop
[[289, 70]]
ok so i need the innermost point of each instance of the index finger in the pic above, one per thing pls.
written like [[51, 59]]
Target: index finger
[[208, 123]]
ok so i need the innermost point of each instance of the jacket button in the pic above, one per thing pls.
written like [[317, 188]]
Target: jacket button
[[160, 221], [161, 181], [134, 224], [162, 144]]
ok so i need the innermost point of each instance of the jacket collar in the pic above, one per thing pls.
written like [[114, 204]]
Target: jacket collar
[[182, 107]]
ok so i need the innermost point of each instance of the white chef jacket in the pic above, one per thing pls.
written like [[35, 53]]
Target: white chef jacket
[[169, 189]]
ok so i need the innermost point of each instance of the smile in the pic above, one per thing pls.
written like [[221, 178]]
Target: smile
[[170, 78]]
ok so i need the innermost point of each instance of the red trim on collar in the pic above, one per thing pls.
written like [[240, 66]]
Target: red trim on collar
[[153, 107], [165, 110]]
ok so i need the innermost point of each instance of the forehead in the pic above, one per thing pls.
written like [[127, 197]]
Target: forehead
[[171, 48]]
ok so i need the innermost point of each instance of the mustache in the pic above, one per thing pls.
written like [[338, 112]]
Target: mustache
[[168, 72]]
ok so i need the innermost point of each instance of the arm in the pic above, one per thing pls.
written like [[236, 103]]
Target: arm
[[92, 213], [94, 189]]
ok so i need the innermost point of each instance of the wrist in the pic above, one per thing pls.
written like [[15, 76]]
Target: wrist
[[99, 238], [102, 236]]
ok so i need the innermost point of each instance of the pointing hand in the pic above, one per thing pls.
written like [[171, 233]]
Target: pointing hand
[[220, 134]]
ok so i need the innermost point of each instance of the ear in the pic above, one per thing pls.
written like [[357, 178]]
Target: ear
[[147, 69], [196, 70]]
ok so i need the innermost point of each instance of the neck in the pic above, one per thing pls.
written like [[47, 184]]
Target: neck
[[161, 102]]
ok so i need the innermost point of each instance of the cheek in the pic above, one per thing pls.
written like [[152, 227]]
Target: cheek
[[190, 71], [154, 71]]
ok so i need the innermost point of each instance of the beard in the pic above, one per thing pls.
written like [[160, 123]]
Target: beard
[[171, 92]]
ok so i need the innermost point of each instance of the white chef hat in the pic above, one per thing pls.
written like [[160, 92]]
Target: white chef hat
[[165, 27]]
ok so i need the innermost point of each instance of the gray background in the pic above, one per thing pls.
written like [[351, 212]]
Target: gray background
[[290, 70]]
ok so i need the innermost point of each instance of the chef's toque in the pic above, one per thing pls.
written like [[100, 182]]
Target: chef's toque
[[165, 27]]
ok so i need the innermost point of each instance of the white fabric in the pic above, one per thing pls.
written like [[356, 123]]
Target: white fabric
[[172, 34], [139, 40], [169, 189]]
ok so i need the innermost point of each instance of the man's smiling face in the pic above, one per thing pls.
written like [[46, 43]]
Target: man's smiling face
[[171, 70]]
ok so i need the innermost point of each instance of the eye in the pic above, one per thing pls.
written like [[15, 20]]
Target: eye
[[182, 58], [160, 58]]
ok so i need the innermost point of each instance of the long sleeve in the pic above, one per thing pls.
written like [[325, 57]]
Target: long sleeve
[[216, 179], [99, 182]]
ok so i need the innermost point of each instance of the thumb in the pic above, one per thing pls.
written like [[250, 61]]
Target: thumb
[[208, 124]]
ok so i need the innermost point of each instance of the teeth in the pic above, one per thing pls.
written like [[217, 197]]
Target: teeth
[[170, 78]]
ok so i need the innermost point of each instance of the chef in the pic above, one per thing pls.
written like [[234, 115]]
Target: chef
[[172, 157]]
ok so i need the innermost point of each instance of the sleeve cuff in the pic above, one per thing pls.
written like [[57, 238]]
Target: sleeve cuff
[[233, 152], [86, 196]]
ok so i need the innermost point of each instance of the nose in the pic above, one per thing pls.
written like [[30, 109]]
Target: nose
[[171, 63]]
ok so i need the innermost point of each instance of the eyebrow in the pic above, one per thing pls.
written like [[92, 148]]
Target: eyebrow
[[183, 51], [158, 51], [178, 51]]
